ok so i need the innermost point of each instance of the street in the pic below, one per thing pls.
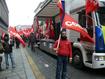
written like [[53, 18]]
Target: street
[[47, 65]]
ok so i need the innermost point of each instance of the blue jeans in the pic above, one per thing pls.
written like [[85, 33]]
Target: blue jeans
[[61, 67], [12, 59]]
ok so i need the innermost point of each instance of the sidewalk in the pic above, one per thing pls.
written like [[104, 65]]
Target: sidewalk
[[23, 69]]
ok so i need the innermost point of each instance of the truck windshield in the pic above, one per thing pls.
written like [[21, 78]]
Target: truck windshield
[[101, 13]]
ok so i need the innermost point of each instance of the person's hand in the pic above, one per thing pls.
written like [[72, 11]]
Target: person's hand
[[70, 60], [56, 50]]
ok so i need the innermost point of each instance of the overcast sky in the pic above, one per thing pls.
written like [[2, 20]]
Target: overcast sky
[[21, 12]]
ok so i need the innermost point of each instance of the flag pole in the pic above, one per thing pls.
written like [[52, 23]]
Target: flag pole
[[63, 14], [59, 40]]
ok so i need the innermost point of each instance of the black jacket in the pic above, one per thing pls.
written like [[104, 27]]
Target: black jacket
[[7, 47]]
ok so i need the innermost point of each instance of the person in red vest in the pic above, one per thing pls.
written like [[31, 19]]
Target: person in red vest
[[63, 52]]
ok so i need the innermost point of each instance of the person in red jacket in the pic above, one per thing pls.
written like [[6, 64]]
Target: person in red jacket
[[63, 52]]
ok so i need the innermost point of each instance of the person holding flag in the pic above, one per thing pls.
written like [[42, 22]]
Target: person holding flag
[[63, 52], [62, 46]]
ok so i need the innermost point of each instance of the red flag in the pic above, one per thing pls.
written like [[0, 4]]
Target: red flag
[[13, 32], [91, 5], [37, 22], [70, 23], [25, 32], [32, 28], [20, 32], [47, 24], [51, 30], [3, 33], [59, 4], [47, 28]]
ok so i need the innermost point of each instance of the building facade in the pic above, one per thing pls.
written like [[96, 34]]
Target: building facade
[[4, 16]]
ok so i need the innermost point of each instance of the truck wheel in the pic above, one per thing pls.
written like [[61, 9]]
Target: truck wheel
[[77, 59]]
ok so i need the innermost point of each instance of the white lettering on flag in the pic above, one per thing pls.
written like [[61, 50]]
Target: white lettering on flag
[[69, 23]]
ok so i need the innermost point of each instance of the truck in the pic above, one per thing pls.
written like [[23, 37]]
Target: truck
[[85, 53]]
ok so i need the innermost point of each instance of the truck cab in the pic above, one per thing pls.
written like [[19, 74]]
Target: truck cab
[[85, 53]]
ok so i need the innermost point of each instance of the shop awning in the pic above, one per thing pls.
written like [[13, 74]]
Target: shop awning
[[47, 9]]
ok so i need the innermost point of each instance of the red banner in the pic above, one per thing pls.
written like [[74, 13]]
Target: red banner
[[13, 32], [91, 5], [71, 24], [26, 31]]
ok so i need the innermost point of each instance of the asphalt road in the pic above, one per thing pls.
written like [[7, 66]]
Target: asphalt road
[[47, 65]]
